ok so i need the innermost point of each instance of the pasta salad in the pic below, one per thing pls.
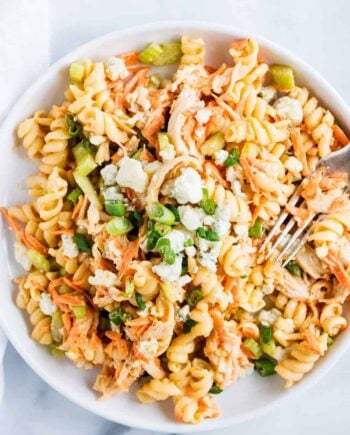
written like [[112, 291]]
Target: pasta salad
[[142, 244]]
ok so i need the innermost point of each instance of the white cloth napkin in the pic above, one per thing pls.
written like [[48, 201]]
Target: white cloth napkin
[[24, 54]]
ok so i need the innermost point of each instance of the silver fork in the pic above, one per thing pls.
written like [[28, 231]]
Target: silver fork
[[337, 161]]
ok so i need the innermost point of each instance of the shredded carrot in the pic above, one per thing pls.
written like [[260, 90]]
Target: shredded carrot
[[210, 69], [137, 80], [129, 253], [130, 58], [77, 207], [76, 285], [340, 136], [138, 326], [58, 232]]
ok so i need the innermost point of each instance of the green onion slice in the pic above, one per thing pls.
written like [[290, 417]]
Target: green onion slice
[[74, 195], [257, 230], [233, 158], [117, 316], [188, 325], [82, 243], [265, 367], [115, 208], [294, 268], [215, 389], [160, 213], [266, 334], [74, 127], [193, 297], [139, 301], [118, 226]]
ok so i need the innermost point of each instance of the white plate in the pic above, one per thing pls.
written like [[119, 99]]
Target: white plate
[[248, 398]]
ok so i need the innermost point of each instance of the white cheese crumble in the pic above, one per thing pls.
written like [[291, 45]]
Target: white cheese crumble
[[167, 153], [208, 253], [46, 304], [177, 239], [183, 280], [289, 108], [104, 278], [268, 93], [293, 165], [21, 256], [220, 156], [131, 175], [109, 174], [148, 347], [183, 313], [97, 139], [169, 272], [191, 218], [268, 317], [203, 115], [116, 69], [191, 251], [112, 194], [188, 187], [70, 248]]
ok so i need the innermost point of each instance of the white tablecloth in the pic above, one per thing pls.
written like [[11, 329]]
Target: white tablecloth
[[318, 31]]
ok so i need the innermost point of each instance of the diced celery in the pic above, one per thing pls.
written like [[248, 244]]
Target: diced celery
[[214, 143], [163, 139], [171, 53], [56, 326], [150, 53], [79, 311], [77, 72], [38, 260], [86, 165], [55, 351], [269, 348], [250, 149], [118, 226], [282, 76], [253, 347], [86, 186], [79, 152]]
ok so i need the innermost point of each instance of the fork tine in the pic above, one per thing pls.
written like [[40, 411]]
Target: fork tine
[[298, 245], [280, 238], [283, 216], [294, 238]]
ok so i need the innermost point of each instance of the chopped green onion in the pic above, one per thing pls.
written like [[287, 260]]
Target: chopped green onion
[[193, 297], [117, 316], [215, 389], [243, 276], [38, 260], [257, 230], [150, 53], [294, 268], [86, 186], [233, 158], [212, 236], [152, 238], [160, 213], [265, 367], [56, 326], [163, 245], [74, 127], [129, 288], [202, 232], [86, 165], [174, 209], [184, 266], [79, 152], [55, 351], [169, 256], [77, 72], [139, 301], [266, 334], [82, 242], [62, 271], [171, 52], [188, 242], [213, 144], [136, 218], [208, 205], [188, 325], [74, 195], [162, 229], [118, 226], [283, 76], [253, 347], [88, 146], [79, 311], [115, 208]]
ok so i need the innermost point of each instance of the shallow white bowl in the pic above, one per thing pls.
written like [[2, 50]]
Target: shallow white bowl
[[249, 397]]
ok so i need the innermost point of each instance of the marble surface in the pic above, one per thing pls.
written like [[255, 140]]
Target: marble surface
[[316, 30]]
